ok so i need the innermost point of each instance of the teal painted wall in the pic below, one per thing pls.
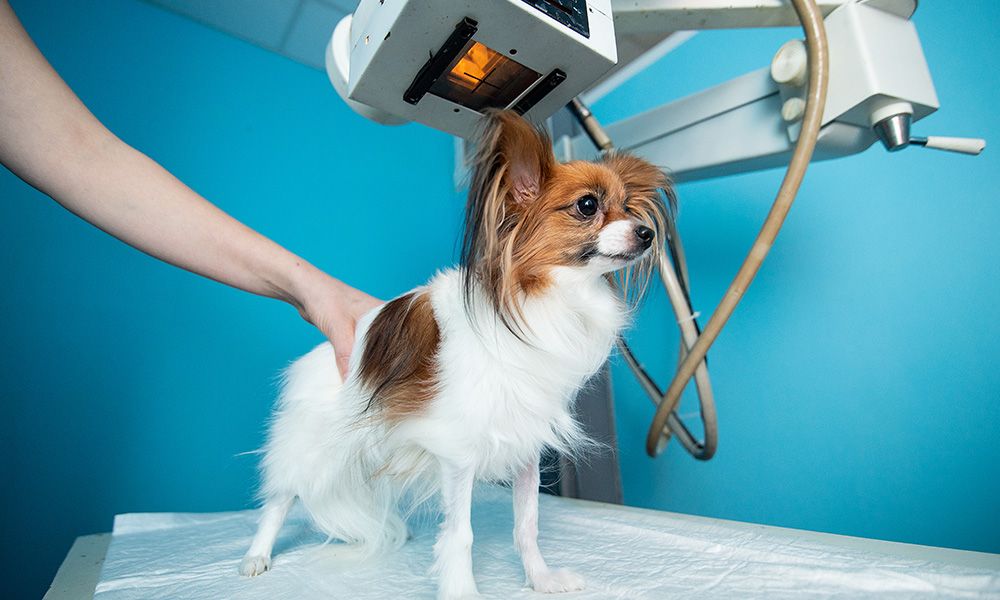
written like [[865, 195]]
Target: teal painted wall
[[857, 383], [130, 385]]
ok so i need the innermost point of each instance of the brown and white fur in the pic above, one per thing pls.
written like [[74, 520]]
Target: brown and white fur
[[472, 375]]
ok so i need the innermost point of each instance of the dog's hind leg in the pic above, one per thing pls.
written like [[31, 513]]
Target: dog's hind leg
[[258, 557]]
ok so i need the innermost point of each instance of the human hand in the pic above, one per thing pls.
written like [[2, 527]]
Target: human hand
[[334, 308]]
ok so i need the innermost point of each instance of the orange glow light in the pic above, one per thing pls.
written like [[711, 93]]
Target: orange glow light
[[473, 68], [480, 77]]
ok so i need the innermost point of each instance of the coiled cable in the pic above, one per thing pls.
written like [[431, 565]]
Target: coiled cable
[[819, 73], [694, 343]]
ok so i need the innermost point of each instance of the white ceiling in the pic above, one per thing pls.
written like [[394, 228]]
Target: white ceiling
[[298, 29]]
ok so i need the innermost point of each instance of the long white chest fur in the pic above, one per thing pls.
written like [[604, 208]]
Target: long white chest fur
[[501, 398]]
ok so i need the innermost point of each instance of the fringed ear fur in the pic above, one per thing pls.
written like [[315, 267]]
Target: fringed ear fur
[[512, 162]]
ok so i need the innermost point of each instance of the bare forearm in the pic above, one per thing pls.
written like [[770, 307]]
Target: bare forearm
[[148, 208], [50, 139]]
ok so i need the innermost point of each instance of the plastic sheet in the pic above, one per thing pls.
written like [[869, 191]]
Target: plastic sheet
[[622, 553]]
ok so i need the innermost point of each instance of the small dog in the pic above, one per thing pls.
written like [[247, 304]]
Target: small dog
[[472, 375]]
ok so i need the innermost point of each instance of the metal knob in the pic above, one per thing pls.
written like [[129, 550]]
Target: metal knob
[[894, 131]]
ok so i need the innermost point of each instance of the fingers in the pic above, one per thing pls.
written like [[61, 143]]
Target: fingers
[[343, 365], [334, 308], [343, 336], [343, 344]]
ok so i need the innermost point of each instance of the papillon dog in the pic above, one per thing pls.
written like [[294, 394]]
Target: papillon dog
[[471, 376]]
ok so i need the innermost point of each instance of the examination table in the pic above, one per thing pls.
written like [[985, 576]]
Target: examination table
[[622, 552]]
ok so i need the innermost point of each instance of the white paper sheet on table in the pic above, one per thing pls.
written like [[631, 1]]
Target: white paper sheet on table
[[622, 553]]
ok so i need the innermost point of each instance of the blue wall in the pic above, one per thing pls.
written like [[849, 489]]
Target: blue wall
[[857, 384], [130, 385]]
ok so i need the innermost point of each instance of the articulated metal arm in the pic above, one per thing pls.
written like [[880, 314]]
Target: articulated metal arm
[[879, 84], [648, 16]]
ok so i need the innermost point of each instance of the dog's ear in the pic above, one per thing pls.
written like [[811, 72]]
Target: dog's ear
[[513, 160], [512, 156]]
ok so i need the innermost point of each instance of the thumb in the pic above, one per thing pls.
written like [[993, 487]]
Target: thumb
[[343, 344]]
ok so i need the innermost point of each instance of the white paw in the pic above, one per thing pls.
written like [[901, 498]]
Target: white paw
[[473, 595], [459, 592], [251, 566], [557, 581]]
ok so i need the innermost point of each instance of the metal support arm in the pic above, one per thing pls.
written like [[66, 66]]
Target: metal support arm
[[649, 16]]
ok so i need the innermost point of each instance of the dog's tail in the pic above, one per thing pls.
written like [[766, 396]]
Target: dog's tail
[[364, 516]]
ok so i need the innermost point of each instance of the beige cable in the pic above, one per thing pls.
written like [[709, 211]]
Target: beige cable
[[816, 44], [675, 287]]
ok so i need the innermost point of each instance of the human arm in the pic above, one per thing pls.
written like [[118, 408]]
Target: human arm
[[53, 142]]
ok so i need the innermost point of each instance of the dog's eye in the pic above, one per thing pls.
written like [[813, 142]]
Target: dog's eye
[[587, 206]]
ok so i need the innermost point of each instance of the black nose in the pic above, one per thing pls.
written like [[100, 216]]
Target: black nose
[[645, 235]]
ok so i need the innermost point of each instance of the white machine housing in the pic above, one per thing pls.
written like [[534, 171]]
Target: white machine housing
[[879, 80], [877, 71], [378, 55]]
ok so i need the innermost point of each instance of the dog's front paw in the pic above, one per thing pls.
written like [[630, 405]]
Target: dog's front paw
[[465, 595], [251, 566], [557, 581], [458, 590]]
